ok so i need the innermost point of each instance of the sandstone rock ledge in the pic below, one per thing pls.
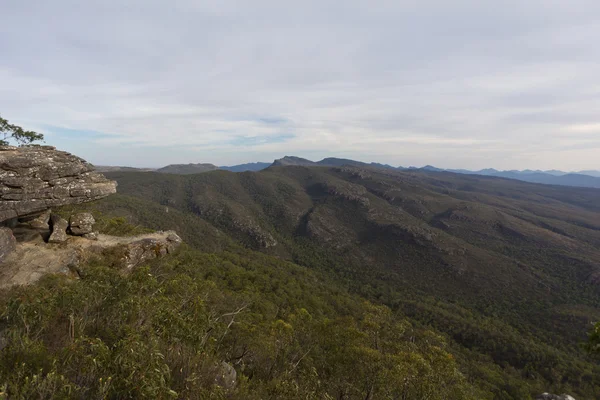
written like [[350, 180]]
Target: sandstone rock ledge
[[36, 178], [33, 259]]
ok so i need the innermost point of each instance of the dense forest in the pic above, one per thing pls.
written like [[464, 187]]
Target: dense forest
[[320, 282]]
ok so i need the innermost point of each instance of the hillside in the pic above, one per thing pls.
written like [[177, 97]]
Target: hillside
[[320, 282], [327, 162], [256, 166], [549, 179], [110, 168], [553, 177], [584, 179], [506, 269], [185, 169], [581, 179], [234, 325]]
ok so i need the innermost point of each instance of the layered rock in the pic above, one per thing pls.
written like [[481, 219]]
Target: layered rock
[[31, 260], [148, 248], [42, 221], [82, 224], [8, 242], [59, 229], [35, 178]]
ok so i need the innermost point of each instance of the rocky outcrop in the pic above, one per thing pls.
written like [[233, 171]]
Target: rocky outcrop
[[59, 227], [226, 376], [138, 251], [8, 242], [81, 224], [35, 178], [548, 396], [41, 221], [32, 260], [91, 236], [347, 191]]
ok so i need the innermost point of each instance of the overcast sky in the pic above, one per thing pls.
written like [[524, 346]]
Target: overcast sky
[[457, 84]]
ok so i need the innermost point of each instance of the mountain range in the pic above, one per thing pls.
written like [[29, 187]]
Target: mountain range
[[587, 178], [552, 177], [507, 271], [337, 279]]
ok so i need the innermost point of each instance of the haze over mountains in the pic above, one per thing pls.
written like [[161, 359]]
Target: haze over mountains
[[587, 178]]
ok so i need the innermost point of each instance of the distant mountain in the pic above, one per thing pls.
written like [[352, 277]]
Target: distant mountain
[[256, 166], [187, 169], [329, 162], [551, 177], [291, 160], [378, 165], [557, 172], [431, 168], [590, 173], [563, 180], [566, 179], [587, 178], [110, 168]]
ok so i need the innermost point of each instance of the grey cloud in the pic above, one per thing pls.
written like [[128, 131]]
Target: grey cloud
[[454, 84]]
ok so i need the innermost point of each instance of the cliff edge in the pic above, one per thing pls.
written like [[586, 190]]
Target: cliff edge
[[34, 179]]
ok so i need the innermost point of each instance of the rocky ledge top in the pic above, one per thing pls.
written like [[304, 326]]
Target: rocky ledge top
[[35, 178], [32, 259]]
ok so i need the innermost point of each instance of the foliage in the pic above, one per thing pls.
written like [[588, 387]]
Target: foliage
[[500, 267], [10, 132], [594, 340], [165, 330], [382, 285]]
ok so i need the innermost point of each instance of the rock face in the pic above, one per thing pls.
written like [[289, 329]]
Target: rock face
[[226, 376], [42, 221], [81, 224], [91, 236], [32, 260], [36, 178], [59, 229], [548, 396], [138, 251], [8, 243]]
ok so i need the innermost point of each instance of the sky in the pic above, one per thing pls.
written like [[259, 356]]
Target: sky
[[455, 84]]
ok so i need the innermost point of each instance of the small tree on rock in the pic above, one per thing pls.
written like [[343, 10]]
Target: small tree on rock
[[9, 132]]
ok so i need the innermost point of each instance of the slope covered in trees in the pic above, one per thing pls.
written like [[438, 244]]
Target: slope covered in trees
[[176, 328], [323, 283], [507, 269]]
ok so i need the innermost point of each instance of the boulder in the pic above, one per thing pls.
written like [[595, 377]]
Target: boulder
[[81, 224], [8, 243], [226, 376], [35, 178], [91, 236], [548, 396], [59, 229], [42, 221], [150, 248]]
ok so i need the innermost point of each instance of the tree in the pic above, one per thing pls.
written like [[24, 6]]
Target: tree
[[17, 134]]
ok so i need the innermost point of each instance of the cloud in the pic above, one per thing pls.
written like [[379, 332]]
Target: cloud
[[454, 84]]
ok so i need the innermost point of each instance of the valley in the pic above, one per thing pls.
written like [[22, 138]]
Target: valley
[[507, 269], [438, 285]]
